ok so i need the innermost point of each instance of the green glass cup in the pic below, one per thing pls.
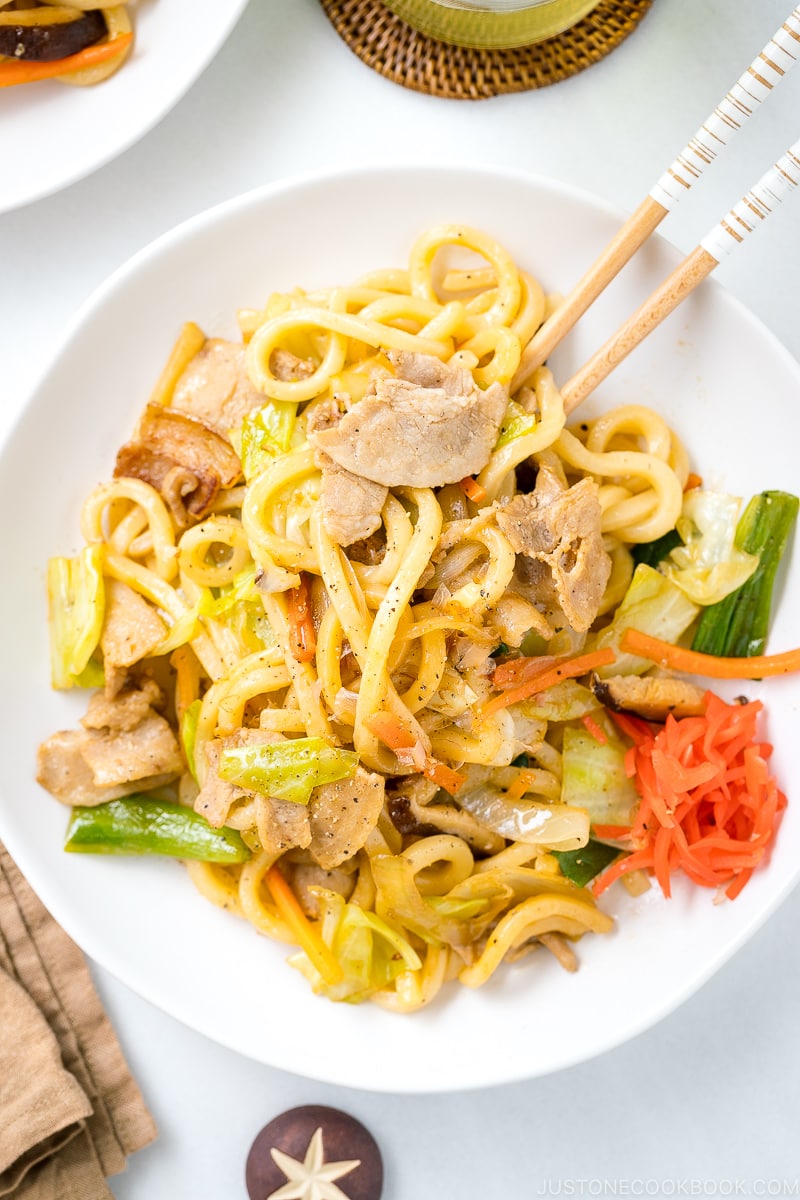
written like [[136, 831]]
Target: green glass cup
[[491, 24]]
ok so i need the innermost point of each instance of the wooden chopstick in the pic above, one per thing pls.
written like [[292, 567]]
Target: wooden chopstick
[[763, 75], [746, 216]]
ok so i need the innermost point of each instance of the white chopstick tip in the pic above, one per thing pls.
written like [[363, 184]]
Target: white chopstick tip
[[760, 79], [755, 206]]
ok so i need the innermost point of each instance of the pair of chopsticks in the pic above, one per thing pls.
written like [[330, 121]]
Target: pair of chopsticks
[[758, 81]]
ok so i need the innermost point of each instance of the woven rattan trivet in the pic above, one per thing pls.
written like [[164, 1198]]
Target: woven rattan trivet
[[392, 48]]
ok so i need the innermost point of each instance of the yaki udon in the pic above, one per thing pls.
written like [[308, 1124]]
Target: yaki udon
[[357, 627]]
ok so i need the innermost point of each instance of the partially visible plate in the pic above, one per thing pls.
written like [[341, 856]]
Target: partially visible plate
[[723, 381], [52, 134]]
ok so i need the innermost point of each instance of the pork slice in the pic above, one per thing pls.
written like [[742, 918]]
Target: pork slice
[[351, 505], [216, 388], [123, 711], [217, 796], [288, 368], [150, 748], [559, 529], [421, 434], [342, 816], [306, 877], [282, 824], [62, 769], [132, 628], [186, 460]]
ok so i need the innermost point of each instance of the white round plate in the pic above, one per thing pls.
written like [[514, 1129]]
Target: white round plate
[[52, 134], [730, 390]]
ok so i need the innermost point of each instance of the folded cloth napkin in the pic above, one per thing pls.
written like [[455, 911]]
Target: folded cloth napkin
[[70, 1110]]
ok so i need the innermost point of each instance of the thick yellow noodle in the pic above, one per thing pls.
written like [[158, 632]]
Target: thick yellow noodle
[[402, 632]]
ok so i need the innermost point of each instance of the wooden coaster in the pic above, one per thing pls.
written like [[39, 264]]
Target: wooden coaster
[[392, 48]]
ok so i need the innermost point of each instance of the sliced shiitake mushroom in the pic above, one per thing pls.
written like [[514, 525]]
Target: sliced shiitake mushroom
[[46, 34], [653, 697]]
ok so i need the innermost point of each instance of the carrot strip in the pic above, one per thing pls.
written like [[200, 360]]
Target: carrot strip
[[693, 662], [307, 936], [473, 490], [596, 730], [302, 634], [639, 860], [568, 669], [19, 70], [443, 776], [519, 670], [525, 781], [187, 678], [636, 728], [693, 481], [611, 833], [391, 731]]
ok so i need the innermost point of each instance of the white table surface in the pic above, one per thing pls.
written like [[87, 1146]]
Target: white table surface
[[705, 1103]]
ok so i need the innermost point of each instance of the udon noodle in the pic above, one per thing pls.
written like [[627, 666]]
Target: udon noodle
[[322, 575]]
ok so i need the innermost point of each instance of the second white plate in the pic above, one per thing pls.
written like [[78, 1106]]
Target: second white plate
[[54, 134]]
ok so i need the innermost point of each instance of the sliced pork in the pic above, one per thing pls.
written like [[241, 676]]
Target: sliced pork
[[351, 505], [113, 755], [215, 387], [427, 425], [184, 459], [558, 530], [342, 815], [132, 629]]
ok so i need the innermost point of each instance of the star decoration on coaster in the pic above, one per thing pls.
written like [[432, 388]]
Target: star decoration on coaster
[[313, 1178]]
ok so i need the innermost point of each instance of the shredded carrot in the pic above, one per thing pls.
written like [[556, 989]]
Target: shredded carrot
[[636, 728], [443, 776], [596, 730], [611, 833], [187, 678], [308, 938], [519, 670], [708, 804], [302, 634], [566, 669], [391, 731], [759, 666], [19, 70], [525, 781], [473, 490], [692, 481]]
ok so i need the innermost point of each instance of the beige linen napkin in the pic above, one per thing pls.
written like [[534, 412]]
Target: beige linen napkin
[[70, 1110]]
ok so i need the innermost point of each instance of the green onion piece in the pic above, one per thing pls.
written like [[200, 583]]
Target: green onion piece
[[76, 608], [516, 423], [287, 770], [653, 553], [737, 626], [581, 866], [139, 825]]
